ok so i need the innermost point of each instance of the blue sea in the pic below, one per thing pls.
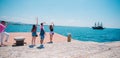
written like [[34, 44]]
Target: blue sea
[[78, 33]]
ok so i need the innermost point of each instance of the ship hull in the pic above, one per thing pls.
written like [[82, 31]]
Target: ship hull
[[101, 28]]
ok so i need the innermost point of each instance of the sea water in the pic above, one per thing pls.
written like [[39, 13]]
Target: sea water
[[78, 33]]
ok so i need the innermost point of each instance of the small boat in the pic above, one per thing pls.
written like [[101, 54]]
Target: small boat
[[98, 26]]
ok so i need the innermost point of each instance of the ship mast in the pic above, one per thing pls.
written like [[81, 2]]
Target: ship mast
[[98, 24], [101, 24], [95, 24]]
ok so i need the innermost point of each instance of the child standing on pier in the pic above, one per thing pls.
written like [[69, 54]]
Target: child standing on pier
[[42, 35]]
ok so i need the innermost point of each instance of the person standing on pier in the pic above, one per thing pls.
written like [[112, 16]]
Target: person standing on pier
[[42, 36], [51, 28], [34, 34]]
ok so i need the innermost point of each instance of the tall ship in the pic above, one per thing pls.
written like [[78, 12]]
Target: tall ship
[[98, 26]]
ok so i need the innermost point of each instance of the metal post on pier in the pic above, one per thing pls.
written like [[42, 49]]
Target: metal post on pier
[[69, 37]]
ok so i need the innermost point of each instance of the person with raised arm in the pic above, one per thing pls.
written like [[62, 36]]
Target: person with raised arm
[[51, 28], [42, 36], [34, 34]]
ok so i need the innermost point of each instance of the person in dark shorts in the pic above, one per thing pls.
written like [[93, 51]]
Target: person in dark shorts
[[34, 34], [42, 36]]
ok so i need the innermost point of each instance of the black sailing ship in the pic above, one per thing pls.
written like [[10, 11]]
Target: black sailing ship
[[98, 26]]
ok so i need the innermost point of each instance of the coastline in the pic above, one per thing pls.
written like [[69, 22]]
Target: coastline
[[60, 48]]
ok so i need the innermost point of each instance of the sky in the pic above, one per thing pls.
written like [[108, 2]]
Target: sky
[[82, 13]]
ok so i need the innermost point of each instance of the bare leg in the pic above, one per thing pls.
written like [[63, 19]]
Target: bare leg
[[34, 40], [41, 42], [51, 36]]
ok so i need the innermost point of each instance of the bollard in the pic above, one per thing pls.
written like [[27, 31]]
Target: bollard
[[19, 41], [69, 37]]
